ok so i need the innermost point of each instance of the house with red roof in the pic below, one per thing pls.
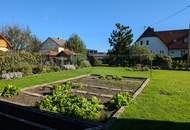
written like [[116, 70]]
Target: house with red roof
[[173, 43]]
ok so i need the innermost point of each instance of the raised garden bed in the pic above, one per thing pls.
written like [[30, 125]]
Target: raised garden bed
[[92, 85]]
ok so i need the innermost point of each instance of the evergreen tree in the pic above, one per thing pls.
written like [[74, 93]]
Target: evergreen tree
[[120, 41]]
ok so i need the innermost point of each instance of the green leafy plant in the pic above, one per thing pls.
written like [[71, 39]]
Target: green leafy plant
[[110, 77], [84, 64], [9, 91], [120, 99], [77, 106]]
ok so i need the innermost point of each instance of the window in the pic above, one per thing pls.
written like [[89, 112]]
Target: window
[[185, 40], [141, 42], [161, 52], [147, 42]]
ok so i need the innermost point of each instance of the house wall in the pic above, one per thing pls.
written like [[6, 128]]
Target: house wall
[[60, 49], [177, 52], [155, 45], [50, 45], [3, 45]]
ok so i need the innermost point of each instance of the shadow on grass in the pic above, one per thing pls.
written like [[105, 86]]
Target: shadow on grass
[[47, 119], [137, 124]]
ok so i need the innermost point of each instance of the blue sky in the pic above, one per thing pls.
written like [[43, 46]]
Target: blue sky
[[93, 20]]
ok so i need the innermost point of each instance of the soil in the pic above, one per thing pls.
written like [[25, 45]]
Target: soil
[[45, 90], [125, 83], [93, 85], [25, 99]]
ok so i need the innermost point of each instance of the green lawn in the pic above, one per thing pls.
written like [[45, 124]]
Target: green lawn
[[44, 78], [153, 110], [164, 104]]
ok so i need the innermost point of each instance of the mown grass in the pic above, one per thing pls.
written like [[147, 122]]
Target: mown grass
[[164, 103], [44, 78]]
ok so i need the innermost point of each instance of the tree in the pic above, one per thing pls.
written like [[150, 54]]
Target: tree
[[140, 55], [34, 46], [120, 41], [75, 44], [20, 38]]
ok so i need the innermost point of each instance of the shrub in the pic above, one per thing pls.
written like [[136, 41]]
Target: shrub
[[179, 64], [110, 77], [37, 69], [26, 69], [9, 91], [120, 99], [62, 100], [84, 63], [94, 61], [10, 59], [156, 67], [55, 68], [164, 62], [145, 68], [46, 69]]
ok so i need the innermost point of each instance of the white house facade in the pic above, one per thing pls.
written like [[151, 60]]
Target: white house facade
[[154, 44], [172, 42]]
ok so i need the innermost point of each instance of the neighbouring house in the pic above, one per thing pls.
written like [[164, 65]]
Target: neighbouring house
[[4, 44], [96, 54], [55, 45], [67, 56], [173, 43], [54, 49]]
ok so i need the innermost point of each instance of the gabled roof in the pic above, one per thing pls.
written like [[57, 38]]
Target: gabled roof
[[8, 43], [65, 53], [59, 41], [173, 39]]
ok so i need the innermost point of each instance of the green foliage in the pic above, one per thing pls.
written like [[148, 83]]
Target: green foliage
[[94, 61], [55, 68], [110, 77], [75, 44], [76, 60], [156, 67], [164, 62], [9, 61], [179, 65], [9, 91], [84, 64], [46, 69], [140, 55], [21, 38], [120, 41], [120, 99], [62, 100], [25, 68], [140, 67], [37, 69]]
